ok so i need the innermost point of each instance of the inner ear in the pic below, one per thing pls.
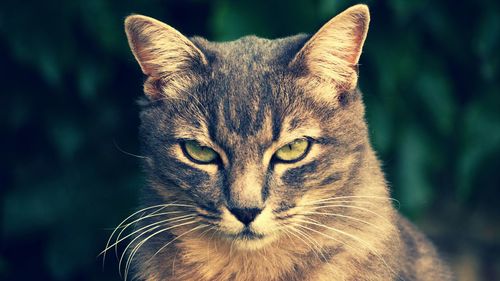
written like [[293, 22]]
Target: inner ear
[[333, 52], [170, 60]]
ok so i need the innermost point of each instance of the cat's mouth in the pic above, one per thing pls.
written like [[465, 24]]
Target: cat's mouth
[[249, 240], [248, 234], [245, 235]]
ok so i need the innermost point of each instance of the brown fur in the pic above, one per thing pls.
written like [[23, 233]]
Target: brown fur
[[327, 216]]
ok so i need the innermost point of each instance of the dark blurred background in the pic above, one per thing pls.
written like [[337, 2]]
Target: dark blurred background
[[69, 85]]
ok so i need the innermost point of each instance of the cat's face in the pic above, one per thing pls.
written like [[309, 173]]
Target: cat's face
[[253, 132]]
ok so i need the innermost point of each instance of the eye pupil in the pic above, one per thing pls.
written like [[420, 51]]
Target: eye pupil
[[293, 151], [197, 153]]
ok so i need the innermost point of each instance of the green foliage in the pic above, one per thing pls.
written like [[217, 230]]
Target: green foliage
[[429, 73]]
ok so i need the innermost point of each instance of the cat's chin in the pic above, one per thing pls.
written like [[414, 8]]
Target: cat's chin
[[254, 243]]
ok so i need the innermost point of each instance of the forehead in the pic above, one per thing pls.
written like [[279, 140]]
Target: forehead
[[247, 89]]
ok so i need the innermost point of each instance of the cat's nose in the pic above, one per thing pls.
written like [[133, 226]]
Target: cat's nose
[[246, 215]]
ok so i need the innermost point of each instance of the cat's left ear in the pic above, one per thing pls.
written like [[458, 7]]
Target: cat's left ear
[[332, 54]]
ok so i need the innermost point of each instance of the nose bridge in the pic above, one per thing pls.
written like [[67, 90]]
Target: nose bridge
[[245, 184]]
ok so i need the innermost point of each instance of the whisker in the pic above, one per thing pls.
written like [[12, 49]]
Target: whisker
[[354, 237], [171, 241], [154, 214], [359, 196], [205, 232], [147, 231], [341, 201], [142, 228], [173, 261], [231, 247], [353, 207], [128, 153], [325, 235], [343, 216], [212, 238], [354, 250], [287, 229], [317, 249], [317, 243], [139, 245], [161, 206], [208, 248]]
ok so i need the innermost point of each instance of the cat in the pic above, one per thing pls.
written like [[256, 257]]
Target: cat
[[258, 163]]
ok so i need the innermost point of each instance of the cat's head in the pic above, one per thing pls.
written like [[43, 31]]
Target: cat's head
[[252, 132]]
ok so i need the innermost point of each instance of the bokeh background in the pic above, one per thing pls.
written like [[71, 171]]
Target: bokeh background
[[69, 85]]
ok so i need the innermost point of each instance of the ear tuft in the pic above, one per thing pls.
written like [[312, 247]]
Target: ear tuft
[[333, 52]]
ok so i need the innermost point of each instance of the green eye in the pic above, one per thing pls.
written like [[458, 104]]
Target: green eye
[[197, 153], [294, 151]]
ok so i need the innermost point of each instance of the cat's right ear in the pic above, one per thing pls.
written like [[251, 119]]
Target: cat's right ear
[[161, 51]]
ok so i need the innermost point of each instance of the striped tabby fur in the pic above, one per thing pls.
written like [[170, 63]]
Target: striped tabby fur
[[325, 217]]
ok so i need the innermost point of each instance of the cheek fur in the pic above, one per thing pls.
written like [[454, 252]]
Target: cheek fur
[[281, 169], [199, 184], [298, 176], [326, 168], [321, 178]]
